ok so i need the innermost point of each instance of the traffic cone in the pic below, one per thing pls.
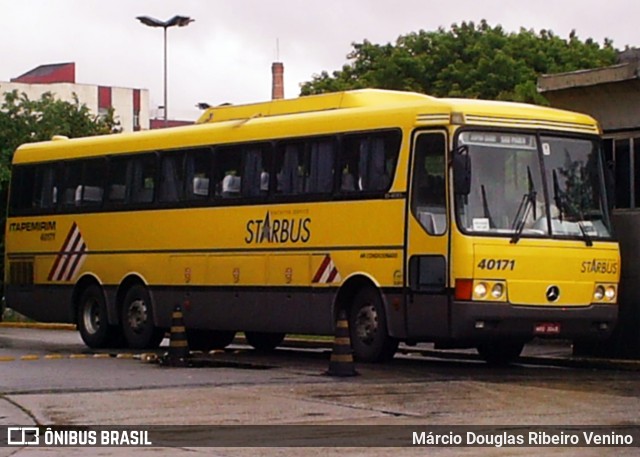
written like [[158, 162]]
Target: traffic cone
[[178, 346], [341, 362]]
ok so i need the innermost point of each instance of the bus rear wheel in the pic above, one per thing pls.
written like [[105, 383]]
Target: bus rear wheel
[[368, 328], [206, 340], [137, 320], [263, 341], [93, 323], [500, 353]]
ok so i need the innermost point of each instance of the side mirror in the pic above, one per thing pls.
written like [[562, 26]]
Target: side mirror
[[461, 164]]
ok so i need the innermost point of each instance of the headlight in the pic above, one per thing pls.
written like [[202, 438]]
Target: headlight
[[491, 290], [497, 290], [610, 293], [598, 294], [480, 290]]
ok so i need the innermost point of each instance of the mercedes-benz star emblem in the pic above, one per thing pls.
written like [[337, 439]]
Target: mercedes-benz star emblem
[[553, 293]]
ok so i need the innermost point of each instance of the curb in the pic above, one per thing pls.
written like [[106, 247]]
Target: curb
[[583, 362], [541, 360], [301, 343], [74, 356], [38, 325]]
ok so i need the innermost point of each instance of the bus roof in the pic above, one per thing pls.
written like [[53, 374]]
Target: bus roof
[[315, 115], [313, 103]]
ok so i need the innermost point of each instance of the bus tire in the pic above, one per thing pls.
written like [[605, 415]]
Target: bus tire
[[500, 353], [264, 341], [93, 323], [206, 340], [137, 320], [368, 328]]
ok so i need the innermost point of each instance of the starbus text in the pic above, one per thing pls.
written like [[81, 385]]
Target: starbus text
[[269, 230]]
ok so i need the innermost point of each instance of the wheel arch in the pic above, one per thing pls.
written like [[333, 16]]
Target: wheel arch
[[127, 283], [370, 341], [350, 287], [87, 280], [139, 331]]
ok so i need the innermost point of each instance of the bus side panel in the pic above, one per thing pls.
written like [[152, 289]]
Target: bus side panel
[[297, 310], [44, 304], [395, 312], [427, 316]]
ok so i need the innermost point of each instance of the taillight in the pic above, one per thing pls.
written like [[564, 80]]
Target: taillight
[[464, 289]]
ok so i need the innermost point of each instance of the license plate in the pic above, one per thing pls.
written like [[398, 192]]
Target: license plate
[[547, 328]]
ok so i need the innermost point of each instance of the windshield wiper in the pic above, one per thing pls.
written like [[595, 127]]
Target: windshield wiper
[[527, 204], [528, 201], [485, 206], [587, 239]]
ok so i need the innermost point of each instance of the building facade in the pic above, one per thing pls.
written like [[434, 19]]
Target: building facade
[[131, 106], [612, 96]]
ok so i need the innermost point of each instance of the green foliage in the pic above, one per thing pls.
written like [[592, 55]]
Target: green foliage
[[466, 61], [577, 196], [26, 121]]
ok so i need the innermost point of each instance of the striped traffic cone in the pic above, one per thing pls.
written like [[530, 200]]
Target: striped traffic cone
[[178, 347], [341, 362]]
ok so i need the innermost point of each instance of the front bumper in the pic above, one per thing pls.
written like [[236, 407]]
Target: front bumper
[[481, 321]]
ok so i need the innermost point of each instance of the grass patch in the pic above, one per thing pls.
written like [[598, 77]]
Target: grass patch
[[295, 336], [10, 315]]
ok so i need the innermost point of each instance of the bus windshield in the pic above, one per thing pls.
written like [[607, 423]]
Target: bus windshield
[[525, 185]]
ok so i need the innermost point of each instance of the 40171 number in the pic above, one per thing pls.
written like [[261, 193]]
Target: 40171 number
[[497, 264]]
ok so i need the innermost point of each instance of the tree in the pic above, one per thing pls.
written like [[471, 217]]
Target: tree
[[23, 120], [26, 121], [466, 61]]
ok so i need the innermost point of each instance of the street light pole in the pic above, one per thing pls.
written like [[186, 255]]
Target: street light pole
[[166, 99], [180, 21]]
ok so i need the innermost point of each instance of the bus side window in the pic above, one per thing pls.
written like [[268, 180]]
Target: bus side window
[[428, 193], [119, 178], [373, 176], [255, 180], [349, 160], [289, 169], [33, 189], [22, 184], [143, 179], [91, 188], [72, 182], [172, 176], [267, 164], [321, 164], [45, 187], [198, 174], [368, 162], [228, 169]]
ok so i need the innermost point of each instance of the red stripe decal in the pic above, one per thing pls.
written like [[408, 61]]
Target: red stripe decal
[[323, 266]]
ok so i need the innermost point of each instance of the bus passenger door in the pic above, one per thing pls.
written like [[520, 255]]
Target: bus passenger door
[[427, 232]]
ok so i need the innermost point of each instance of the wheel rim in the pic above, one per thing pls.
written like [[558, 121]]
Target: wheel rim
[[137, 316], [366, 324], [91, 316]]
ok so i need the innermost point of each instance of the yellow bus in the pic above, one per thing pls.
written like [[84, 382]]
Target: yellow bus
[[464, 223]]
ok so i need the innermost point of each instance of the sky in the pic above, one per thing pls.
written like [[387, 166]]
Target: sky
[[225, 56]]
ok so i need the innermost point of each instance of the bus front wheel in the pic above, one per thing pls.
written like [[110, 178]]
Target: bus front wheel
[[92, 319], [368, 328], [500, 352], [137, 320]]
